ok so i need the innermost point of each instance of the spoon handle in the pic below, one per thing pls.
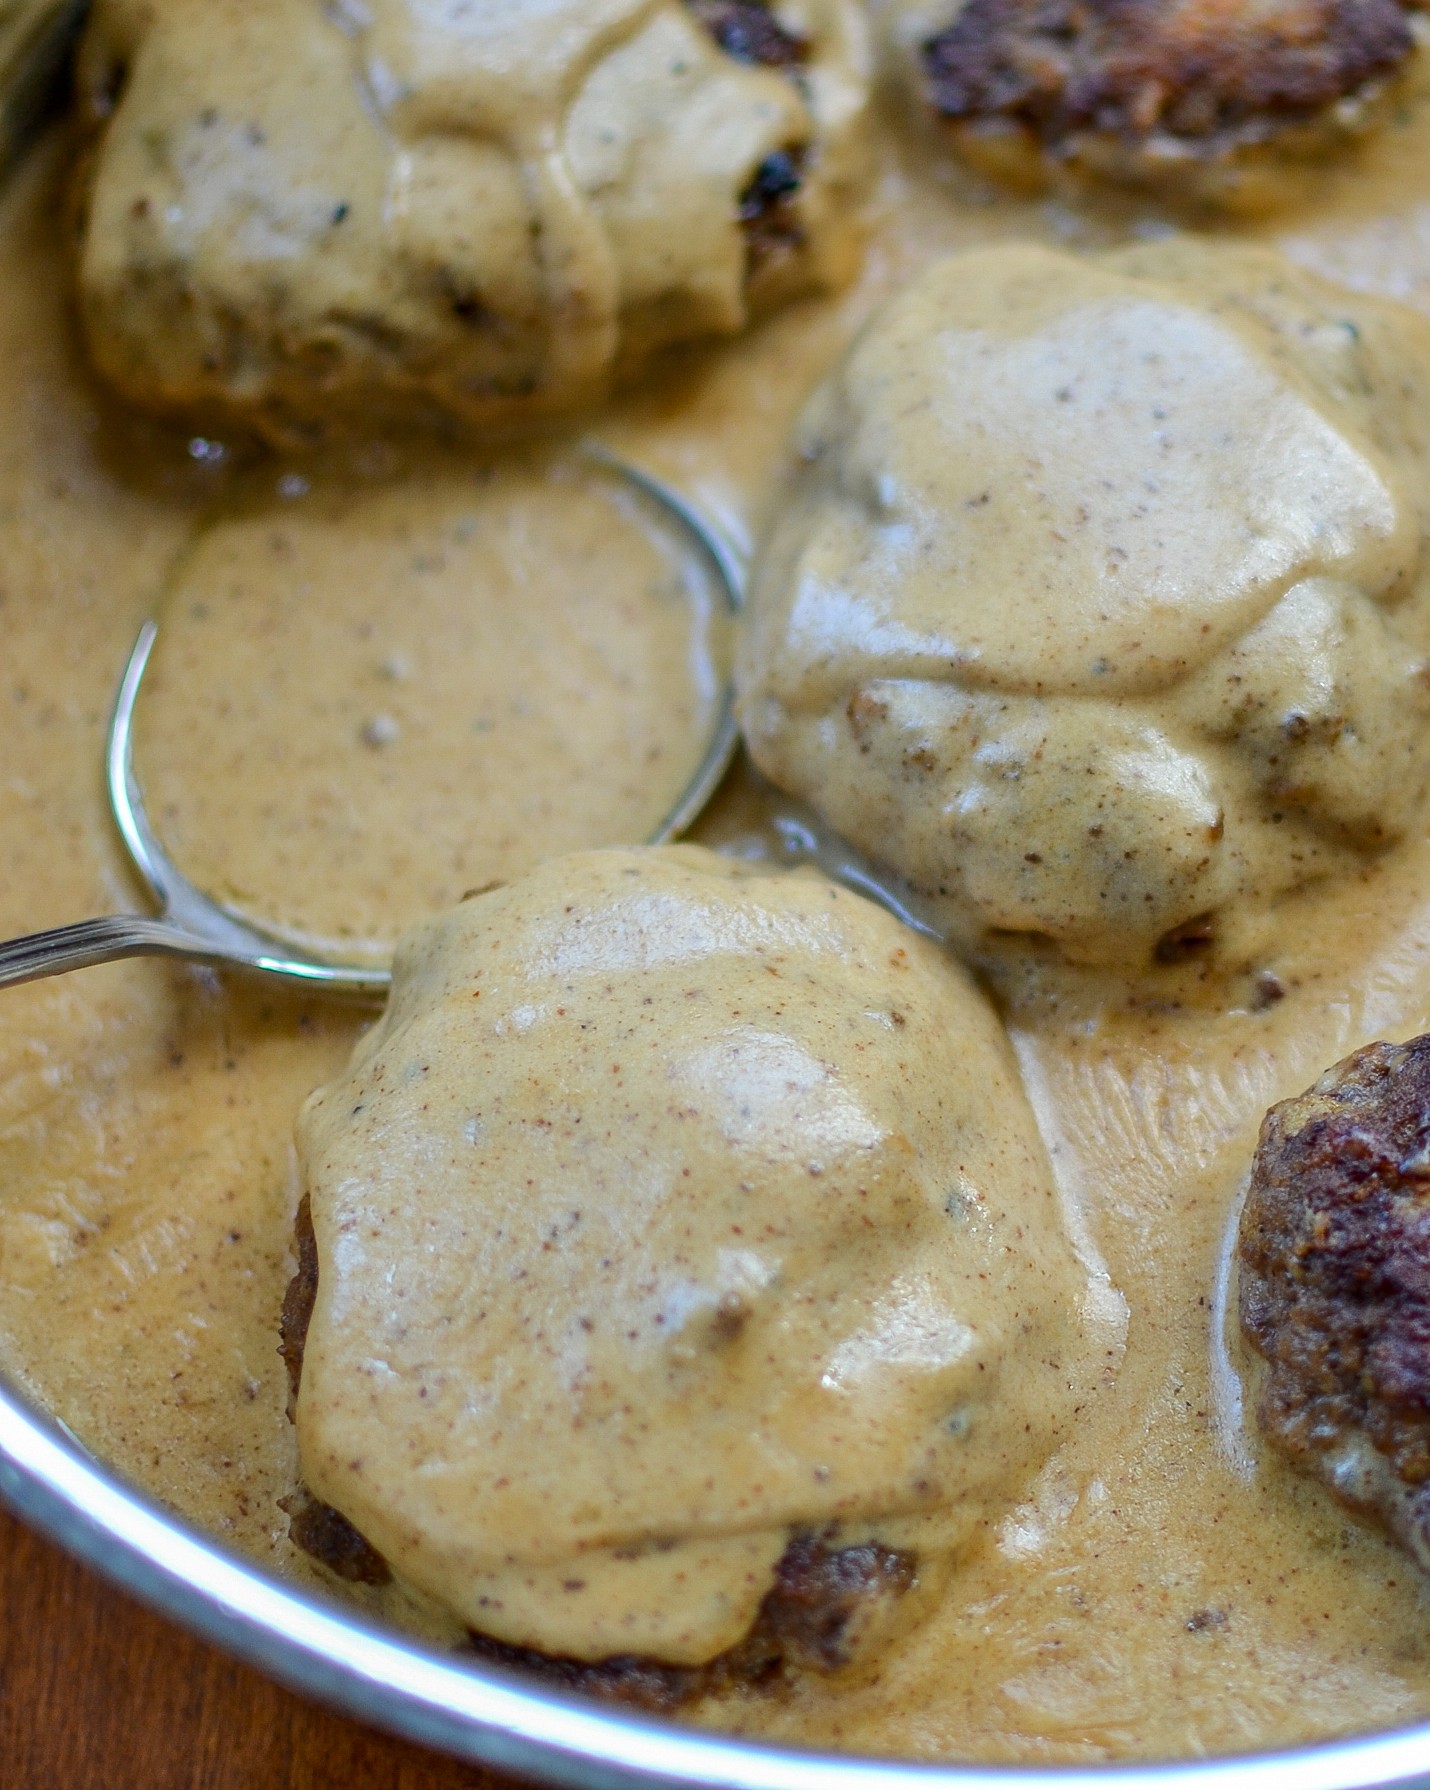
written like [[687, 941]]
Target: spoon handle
[[94, 941]]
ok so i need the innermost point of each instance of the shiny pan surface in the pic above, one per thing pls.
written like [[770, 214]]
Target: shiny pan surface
[[493, 1717]]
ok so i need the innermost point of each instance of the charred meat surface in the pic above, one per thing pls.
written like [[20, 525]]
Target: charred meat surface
[[750, 32], [328, 1536], [1335, 1283], [315, 1527], [809, 1621], [769, 215], [813, 1613], [1205, 72], [298, 1301]]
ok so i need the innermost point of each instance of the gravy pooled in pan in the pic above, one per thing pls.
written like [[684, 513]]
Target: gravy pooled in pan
[[528, 629], [483, 212], [672, 1213], [1144, 1582]]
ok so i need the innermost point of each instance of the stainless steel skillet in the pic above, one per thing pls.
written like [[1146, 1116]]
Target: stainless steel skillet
[[482, 1714], [497, 1719]]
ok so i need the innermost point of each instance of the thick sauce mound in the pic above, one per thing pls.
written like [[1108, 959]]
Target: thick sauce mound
[[1158, 1590], [472, 211], [1100, 613], [726, 1184]]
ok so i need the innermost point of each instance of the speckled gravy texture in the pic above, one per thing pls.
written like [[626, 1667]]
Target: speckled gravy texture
[[1150, 1595], [725, 1182], [367, 700], [1100, 612]]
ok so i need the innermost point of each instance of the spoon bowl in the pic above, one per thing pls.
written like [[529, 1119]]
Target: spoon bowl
[[198, 928]]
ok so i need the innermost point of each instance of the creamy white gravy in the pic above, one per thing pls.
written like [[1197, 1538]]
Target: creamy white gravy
[[1151, 1596]]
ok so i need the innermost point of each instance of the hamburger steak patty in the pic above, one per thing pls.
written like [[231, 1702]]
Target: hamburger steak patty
[[1334, 1250], [1207, 73], [811, 1618]]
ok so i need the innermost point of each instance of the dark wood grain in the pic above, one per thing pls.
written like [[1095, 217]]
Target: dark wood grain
[[97, 1693]]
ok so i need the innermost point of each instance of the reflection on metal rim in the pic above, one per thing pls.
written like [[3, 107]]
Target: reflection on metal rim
[[491, 1717], [35, 41]]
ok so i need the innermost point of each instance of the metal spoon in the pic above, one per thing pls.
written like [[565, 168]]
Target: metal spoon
[[194, 926]]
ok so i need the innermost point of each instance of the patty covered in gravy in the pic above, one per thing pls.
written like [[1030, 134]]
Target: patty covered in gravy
[[1099, 612], [690, 1281], [1334, 1252], [481, 213], [825, 1600], [1188, 92]]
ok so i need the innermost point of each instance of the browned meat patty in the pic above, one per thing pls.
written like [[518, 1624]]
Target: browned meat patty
[[327, 1536], [1335, 1283], [1209, 74], [811, 1619]]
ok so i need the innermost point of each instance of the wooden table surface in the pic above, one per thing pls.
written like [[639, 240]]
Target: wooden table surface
[[97, 1693]]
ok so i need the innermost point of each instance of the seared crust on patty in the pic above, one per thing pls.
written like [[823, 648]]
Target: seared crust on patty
[[1334, 1251], [769, 213], [750, 32], [811, 1619], [1205, 74], [315, 1527], [298, 1302], [328, 1537]]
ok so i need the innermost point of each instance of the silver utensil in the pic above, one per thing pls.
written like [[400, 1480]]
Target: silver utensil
[[35, 40], [200, 929]]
